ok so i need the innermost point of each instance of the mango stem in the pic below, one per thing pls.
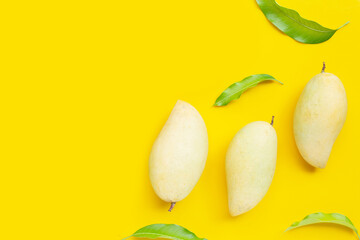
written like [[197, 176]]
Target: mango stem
[[272, 121], [323, 68], [172, 206]]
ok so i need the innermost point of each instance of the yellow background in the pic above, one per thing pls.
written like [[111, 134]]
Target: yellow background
[[86, 87]]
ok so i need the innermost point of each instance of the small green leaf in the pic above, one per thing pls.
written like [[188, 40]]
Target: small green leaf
[[335, 218], [235, 90], [292, 24], [167, 231]]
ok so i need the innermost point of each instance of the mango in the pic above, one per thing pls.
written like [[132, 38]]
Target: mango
[[179, 154], [319, 117], [250, 166]]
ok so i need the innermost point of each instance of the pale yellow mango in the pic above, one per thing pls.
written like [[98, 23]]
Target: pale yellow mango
[[179, 154], [250, 166], [319, 116]]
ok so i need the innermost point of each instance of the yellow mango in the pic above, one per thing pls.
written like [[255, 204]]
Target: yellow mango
[[179, 154], [250, 166], [319, 117]]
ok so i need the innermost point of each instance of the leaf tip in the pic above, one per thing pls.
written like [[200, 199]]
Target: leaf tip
[[218, 104], [343, 25]]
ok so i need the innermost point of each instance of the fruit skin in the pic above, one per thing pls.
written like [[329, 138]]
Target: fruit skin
[[250, 166], [179, 153], [319, 117]]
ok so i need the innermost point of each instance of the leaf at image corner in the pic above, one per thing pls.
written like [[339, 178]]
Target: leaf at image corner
[[235, 90], [293, 25], [165, 231], [335, 218]]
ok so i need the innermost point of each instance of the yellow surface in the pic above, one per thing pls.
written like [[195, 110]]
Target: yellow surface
[[87, 85]]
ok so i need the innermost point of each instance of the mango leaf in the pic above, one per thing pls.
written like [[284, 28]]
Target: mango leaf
[[292, 24], [235, 90], [335, 218], [167, 231]]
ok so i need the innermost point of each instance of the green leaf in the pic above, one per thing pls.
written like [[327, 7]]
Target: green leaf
[[167, 231], [335, 218], [235, 90], [292, 24]]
